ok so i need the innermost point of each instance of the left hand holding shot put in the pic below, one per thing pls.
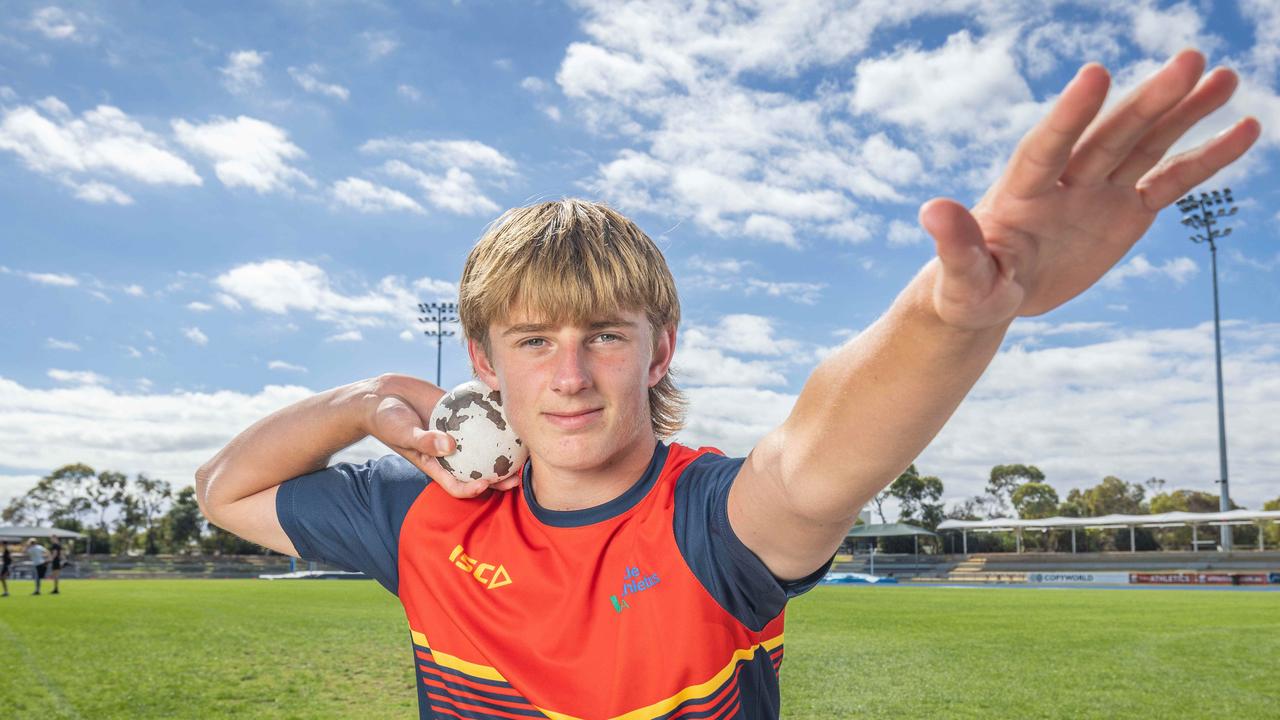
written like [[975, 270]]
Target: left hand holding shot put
[[1078, 193]]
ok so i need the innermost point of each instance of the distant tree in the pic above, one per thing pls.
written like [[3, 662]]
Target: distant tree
[[878, 501], [221, 542], [969, 509], [1113, 496], [918, 498], [129, 522], [150, 494], [1005, 478], [184, 522], [1273, 528], [1073, 506], [1184, 501], [105, 492], [19, 512], [1035, 500]]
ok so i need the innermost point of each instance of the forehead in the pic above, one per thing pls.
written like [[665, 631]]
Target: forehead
[[519, 321]]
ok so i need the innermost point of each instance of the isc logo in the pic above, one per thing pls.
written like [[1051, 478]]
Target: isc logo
[[484, 573]]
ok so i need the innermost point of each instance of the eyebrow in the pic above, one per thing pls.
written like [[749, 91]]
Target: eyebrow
[[542, 327]]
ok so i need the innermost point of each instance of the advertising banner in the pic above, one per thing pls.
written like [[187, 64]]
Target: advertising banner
[[1212, 578], [1079, 578]]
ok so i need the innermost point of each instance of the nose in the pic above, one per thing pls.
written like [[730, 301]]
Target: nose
[[571, 374]]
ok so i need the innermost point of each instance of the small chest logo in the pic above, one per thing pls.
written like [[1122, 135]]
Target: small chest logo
[[632, 583], [485, 573]]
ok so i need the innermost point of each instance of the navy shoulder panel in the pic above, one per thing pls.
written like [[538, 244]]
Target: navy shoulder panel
[[350, 515], [734, 575]]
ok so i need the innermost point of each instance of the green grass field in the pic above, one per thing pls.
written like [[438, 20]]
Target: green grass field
[[230, 648]]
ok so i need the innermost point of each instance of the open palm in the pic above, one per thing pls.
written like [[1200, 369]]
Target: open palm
[[1078, 192]]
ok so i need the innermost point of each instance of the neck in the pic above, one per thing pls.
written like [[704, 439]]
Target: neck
[[558, 488]]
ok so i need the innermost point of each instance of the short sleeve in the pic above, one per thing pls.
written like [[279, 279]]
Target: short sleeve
[[350, 515], [737, 578]]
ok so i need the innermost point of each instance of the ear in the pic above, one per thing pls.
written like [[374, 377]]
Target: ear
[[481, 364], [663, 352]]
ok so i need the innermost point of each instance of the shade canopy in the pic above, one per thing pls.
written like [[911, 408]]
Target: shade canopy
[[888, 530], [18, 533], [1169, 519]]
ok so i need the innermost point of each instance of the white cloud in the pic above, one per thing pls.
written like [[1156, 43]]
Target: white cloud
[[84, 153], [533, 84], [407, 335], [379, 44], [55, 279], [307, 79], [135, 290], [1165, 31], [741, 333], [282, 365], [243, 71], [284, 286], [348, 336], [409, 92], [1137, 404], [1134, 404], [132, 351], [449, 173], [464, 154], [166, 435], [805, 293], [551, 111], [246, 152], [905, 234], [1264, 57], [197, 306], [456, 190], [195, 335], [77, 377], [55, 344], [773, 229], [1179, 270], [369, 197], [949, 91], [228, 302], [54, 23], [101, 193]]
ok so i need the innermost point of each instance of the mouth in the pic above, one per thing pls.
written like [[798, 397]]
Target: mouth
[[571, 421]]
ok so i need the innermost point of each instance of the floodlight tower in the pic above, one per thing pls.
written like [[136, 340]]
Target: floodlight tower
[[438, 313], [1202, 213]]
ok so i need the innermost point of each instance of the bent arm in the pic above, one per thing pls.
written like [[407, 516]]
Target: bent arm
[[236, 489], [863, 416]]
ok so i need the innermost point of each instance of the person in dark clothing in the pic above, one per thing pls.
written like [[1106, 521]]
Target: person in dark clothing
[[56, 561], [6, 560]]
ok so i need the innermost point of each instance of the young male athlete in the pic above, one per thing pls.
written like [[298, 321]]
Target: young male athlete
[[633, 577]]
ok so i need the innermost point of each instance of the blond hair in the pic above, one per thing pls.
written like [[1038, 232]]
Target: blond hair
[[572, 261]]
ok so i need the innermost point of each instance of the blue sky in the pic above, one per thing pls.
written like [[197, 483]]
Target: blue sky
[[212, 213]]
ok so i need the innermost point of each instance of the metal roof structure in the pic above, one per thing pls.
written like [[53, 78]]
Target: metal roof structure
[[1169, 519], [19, 533], [888, 530]]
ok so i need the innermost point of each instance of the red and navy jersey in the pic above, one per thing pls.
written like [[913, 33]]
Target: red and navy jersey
[[648, 606]]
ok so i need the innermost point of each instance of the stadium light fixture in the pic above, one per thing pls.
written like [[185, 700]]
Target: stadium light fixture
[[438, 313], [1202, 214]]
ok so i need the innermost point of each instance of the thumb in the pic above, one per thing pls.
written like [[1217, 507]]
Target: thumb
[[958, 240]]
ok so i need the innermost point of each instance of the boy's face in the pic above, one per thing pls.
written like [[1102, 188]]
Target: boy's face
[[548, 373]]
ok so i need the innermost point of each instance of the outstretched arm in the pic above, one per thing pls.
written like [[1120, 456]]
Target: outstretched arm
[[1078, 192]]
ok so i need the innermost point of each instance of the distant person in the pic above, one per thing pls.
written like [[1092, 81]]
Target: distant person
[[39, 565], [6, 560], [56, 561]]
